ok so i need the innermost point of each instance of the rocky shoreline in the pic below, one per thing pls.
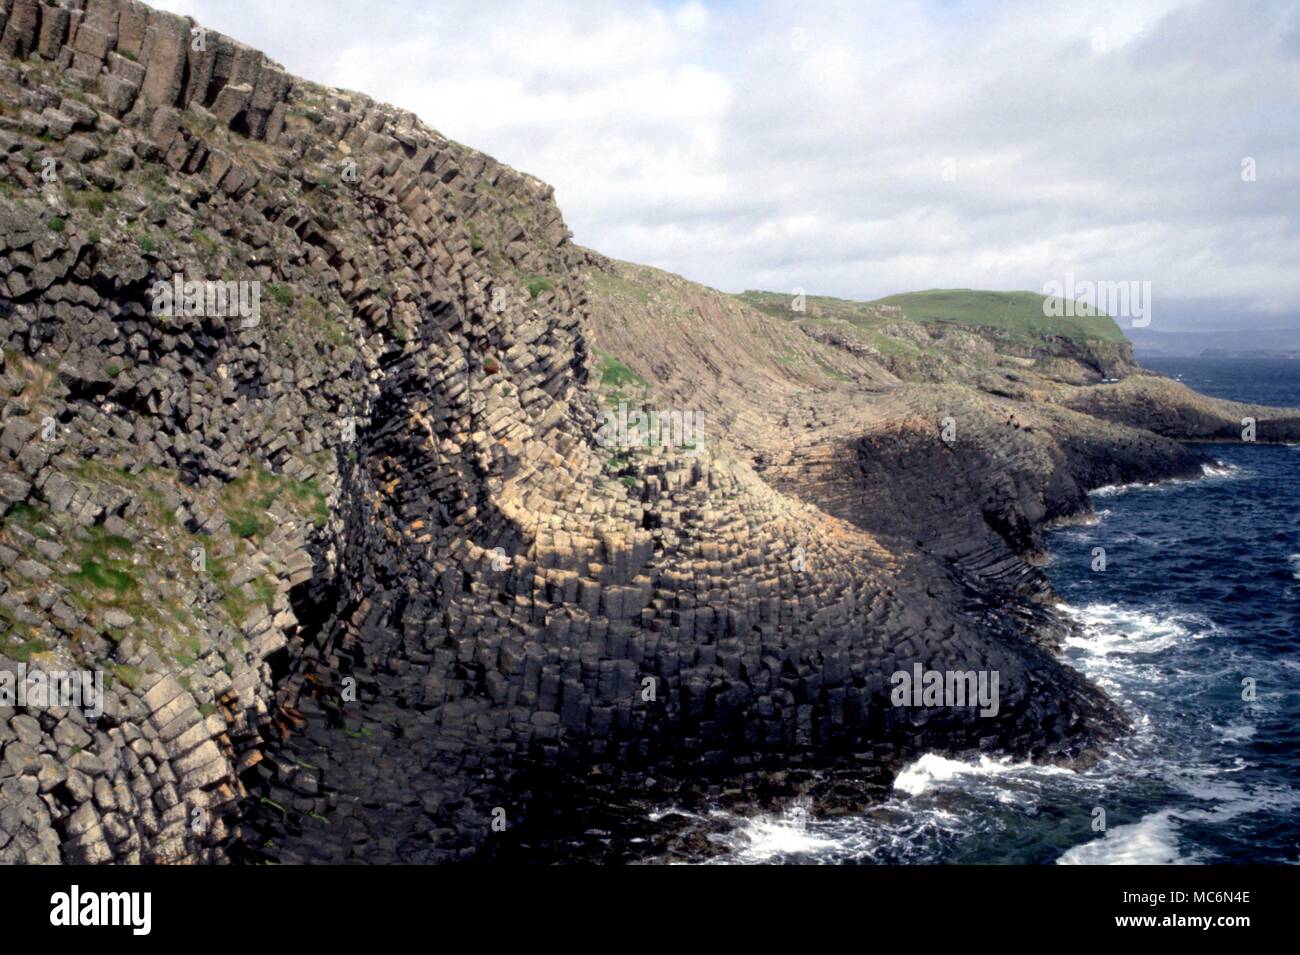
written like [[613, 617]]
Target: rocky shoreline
[[367, 584]]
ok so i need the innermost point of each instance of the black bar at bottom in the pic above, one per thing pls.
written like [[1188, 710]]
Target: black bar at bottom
[[332, 904]]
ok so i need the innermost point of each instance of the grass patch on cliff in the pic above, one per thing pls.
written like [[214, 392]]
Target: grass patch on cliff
[[129, 675], [1015, 316], [247, 501], [609, 285], [239, 601], [1019, 314], [104, 565], [537, 284], [282, 294], [829, 371], [618, 382], [30, 517], [92, 199], [147, 484], [23, 652], [106, 578], [302, 319], [616, 375]]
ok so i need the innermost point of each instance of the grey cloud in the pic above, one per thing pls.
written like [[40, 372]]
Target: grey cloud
[[707, 140]]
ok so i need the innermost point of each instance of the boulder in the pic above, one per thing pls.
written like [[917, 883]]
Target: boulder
[[231, 101], [117, 92]]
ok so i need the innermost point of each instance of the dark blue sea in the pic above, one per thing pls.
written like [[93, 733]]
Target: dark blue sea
[[1201, 592]]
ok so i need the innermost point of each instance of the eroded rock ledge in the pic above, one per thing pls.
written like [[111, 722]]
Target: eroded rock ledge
[[364, 578]]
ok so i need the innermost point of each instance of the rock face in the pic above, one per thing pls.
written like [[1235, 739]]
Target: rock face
[[366, 581]]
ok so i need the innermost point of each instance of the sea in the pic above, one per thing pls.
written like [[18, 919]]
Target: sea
[[1193, 627]]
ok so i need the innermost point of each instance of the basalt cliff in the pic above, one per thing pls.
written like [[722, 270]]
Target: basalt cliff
[[364, 578]]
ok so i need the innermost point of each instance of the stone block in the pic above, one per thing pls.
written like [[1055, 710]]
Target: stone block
[[54, 31], [166, 46], [22, 29]]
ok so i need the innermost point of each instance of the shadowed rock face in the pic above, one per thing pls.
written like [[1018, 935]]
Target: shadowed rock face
[[361, 569]]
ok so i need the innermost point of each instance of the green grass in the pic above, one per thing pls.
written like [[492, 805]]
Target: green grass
[[27, 516], [246, 501], [23, 652], [315, 316], [103, 565], [247, 523], [1018, 313], [238, 602], [538, 284], [93, 200], [56, 224], [129, 675], [830, 372], [208, 243], [608, 285], [1013, 315], [615, 374], [282, 294]]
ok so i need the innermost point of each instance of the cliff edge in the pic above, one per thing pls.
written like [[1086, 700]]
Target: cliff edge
[[306, 446]]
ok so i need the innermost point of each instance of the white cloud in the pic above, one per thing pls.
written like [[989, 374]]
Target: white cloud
[[764, 146]]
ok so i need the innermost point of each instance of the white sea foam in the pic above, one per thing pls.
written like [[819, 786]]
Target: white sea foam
[[1151, 841], [935, 771], [1294, 560], [764, 838], [1128, 651], [1232, 799], [943, 808], [1110, 490], [1111, 629], [1235, 732], [1154, 839], [1217, 470], [658, 814]]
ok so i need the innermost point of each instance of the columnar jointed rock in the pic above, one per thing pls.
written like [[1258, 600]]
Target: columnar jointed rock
[[349, 547]]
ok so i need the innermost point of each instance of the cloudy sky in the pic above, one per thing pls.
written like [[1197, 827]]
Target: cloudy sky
[[860, 149]]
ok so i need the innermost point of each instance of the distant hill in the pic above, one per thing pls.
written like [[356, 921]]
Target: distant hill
[[1016, 315]]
